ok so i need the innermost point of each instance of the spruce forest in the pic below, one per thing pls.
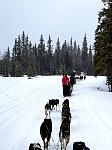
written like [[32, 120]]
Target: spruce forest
[[41, 59], [47, 59]]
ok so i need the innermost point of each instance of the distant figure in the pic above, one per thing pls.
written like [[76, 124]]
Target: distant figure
[[72, 77], [72, 80], [84, 77], [71, 84], [65, 84]]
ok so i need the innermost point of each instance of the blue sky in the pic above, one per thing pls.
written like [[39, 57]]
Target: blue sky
[[59, 18]]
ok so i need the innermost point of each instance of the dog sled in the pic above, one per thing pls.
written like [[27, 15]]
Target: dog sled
[[80, 146]]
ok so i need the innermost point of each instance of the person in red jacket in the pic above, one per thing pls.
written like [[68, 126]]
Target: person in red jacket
[[65, 84]]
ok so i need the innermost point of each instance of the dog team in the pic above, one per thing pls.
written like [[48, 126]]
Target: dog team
[[46, 126]]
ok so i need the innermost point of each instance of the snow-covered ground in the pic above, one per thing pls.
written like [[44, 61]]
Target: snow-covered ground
[[22, 104]]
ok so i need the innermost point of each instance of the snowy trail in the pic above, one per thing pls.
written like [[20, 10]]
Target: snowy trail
[[22, 104], [92, 124], [17, 110]]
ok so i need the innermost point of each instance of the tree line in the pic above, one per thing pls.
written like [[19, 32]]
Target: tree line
[[103, 43], [44, 59]]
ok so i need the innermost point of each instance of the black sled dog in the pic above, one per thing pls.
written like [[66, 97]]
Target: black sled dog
[[53, 102], [45, 132], [66, 110], [35, 146], [47, 110], [64, 134]]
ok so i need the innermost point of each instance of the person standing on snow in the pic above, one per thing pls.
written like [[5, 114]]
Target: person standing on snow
[[72, 80], [71, 83], [65, 84], [72, 76]]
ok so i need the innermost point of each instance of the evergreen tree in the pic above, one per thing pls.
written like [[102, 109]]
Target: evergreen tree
[[16, 69], [41, 56], [63, 57], [74, 56], [49, 56], [18, 59], [1, 67], [31, 71], [35, 53], [24, 52], [84, 55], [13, 59], [90, 62], [57, 58], [66, 62], [6, 63], [103, 43], [78, 62], [71, 55]]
